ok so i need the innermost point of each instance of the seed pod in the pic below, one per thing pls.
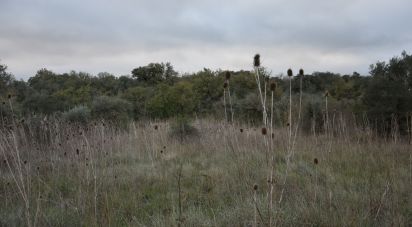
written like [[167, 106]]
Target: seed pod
[[301, 73], [326, 93], [256, 60], [315, 161], [255, 187], [264, 131], [241, 130], [225, 85], [9, 96], [227, 75], [273, 86], [290, 73]]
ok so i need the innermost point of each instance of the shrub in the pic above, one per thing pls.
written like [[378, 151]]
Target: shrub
[[78, 114], [112, 110]]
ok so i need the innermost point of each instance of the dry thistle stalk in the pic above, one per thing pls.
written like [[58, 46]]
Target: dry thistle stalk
[[264, 131], [273, 86], [290, 72], [301, 73], [256, 60], [227, 75], [225, 85]]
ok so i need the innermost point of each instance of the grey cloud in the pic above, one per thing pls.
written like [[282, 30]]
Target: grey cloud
[[89, 35]]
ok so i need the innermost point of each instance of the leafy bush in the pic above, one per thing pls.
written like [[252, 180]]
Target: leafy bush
[[112, 110], [79, 114]]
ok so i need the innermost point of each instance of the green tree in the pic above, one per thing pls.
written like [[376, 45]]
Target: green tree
[[6, 80], [155, 73], [170, 101]]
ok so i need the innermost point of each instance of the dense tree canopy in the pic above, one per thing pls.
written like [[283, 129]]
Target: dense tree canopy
[[157, 91]]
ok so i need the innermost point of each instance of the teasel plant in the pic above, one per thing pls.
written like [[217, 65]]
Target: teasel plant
[[256, 65], [301, 74], [225, 85], [227, 77], [272, 87], [290, 75], [264, 130]]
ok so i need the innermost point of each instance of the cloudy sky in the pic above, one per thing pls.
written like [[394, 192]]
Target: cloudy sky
[[117, 35]]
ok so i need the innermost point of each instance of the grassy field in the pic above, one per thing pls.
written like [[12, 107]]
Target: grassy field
[[56, 174]]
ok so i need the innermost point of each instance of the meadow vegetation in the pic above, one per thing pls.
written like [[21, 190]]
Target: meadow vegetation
[[208, 149]]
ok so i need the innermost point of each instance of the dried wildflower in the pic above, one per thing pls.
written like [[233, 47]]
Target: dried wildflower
[[25, 162], [273, 86], [241, 130], [273, 135], [301, 72], [156, 127], [255, 187], [227, 75], [225, 84], [315, 161], [161, 151], [9, 96], [256, 60], [77, 151], [290, 73], [326, 93], [264, 131]]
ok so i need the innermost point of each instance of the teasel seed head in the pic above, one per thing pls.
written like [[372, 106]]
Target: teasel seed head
[[264, 131], [273, 86], [256, 60], [301, 72], [290, 73], [227, 75]]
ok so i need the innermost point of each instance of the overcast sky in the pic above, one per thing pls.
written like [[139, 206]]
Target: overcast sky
[[118, 35]]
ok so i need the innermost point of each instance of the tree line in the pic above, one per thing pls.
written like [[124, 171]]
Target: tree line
[[157, 91]]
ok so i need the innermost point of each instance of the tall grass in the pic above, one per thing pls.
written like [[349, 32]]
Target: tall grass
[[98, 175]]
